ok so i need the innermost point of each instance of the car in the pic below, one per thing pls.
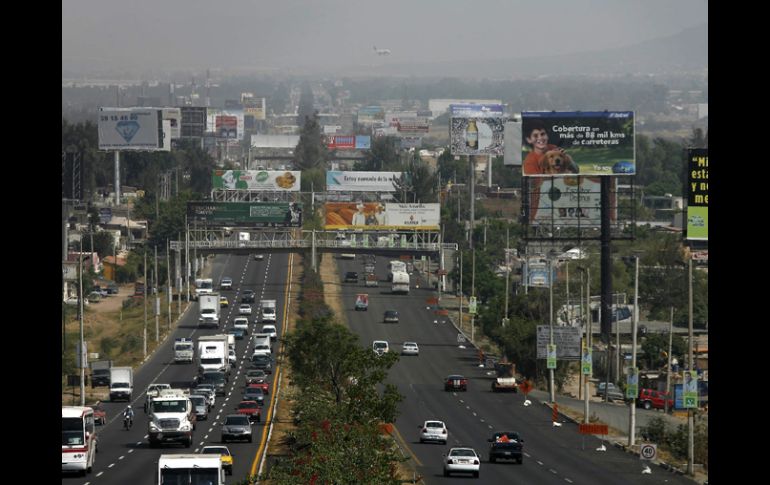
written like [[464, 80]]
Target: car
[[232, 358], [351, 277], [362, 302], [255, 376], [254, 394], [251, 409], [263, 362], [206, 390], [224, 452], [216, 378], [242, 323], [100, 377], [455, 382], [348, 256], [223, 302], [236, 427], [652, 399], [410, 348], [237, 332], [390, 316], [270, 330], [200, 406], [506, 445], [259, 257], [268, 314], [380, 347], [259, 383], [248, 296], [244, 309], [226, 283], [462, 459], [100, 415], [74, 301], [433, 430], [613, 393]]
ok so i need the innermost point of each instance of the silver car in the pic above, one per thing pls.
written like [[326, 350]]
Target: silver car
[[236, 427], [410, 348], [201, 406]]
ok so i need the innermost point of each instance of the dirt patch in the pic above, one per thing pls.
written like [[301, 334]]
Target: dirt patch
[[332, 287]]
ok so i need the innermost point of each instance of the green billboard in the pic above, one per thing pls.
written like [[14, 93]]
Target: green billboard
[[252, 214]]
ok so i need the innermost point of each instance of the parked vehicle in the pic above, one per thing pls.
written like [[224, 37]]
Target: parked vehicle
[[100, 372], [506, 445], [652, 399], [613, 393]]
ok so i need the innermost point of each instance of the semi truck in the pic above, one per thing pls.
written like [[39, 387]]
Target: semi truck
[[172, 418], [209, 310], [400, 283], [183, 350], [190, 469], [121, 383], [212, 353], [395, 266], [203, 286]]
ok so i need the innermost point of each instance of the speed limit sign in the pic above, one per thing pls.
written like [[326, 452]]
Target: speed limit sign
[[648, 451]]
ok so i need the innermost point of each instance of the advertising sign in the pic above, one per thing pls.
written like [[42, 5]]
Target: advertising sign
[[566, 340], [361, 181], [588, 143], [363, 142], [586, 361], [331, 129], [255, 214], [566, 201], [413, 125], [697, 194], [536, 272], [476, 136], [105, 215], [130, 129], [193, 121], [632, 383], [378, 215], [551, 358], [512, 148], [472, 306], [335, 142], [226, 126], [174, 116], [268, 180], [254, 107], [690, 389], [371, 114]]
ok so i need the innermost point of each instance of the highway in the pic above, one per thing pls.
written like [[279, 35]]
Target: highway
[[552, 454], [124, 457]]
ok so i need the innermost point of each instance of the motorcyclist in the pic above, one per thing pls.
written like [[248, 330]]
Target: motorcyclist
[[128, 416]]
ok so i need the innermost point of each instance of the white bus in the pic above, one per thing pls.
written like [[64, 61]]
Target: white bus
[[78, 439]]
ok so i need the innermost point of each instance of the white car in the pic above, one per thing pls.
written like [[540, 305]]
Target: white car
[[232, 358], [433, 430], [410, 348], [241, 322], [462, 460], [268, 314], [244, 309], [270, 330], [259, 257], [380, 347]]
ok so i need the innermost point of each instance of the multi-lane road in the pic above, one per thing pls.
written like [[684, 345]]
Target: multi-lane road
[[125, 457]]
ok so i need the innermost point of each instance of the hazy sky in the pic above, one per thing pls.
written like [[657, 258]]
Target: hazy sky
[[305, 33]]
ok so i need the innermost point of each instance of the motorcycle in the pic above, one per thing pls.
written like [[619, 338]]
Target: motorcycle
[[127, 422]]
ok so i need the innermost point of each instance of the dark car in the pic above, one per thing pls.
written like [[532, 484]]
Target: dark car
[[455, 382], [100, 377], [248, 296], [262, 362], [391, 316], [254, 394], [218, 379], [238, 333], [351, 277], [250, 409], [506, 445], [236, 427]]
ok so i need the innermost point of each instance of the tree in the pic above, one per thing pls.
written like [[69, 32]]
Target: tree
[[305, 110], [382, 156], [655, 348], [311, 151], [103, 243]]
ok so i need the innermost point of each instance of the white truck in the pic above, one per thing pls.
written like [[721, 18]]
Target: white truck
[[395, 266], [203, 286], [183, 350], [121, 383], [400, 283], [262, 345], [212, 353], [172, 418], [190, 469], [268, 310], [209, 310]]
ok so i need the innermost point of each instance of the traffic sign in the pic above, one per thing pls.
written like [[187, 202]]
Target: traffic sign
[[460, 338], [648, 451]]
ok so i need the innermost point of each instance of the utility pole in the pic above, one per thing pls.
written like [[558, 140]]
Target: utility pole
[[587, 323], [168, 282], [156, 286], [144, 333], [670, 343], [691, 364], [507, 271], [187, 255], [81, 349], [460, 308], [632, 404], [550, 327], [617, 339]]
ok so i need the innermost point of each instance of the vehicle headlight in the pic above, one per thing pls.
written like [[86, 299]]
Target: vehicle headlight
[[186, 427], [154, 426]]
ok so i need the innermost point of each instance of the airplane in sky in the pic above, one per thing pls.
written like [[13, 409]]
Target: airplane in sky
[[382, 52]]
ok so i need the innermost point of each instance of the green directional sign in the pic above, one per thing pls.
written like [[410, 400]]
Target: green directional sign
[[255, 214]]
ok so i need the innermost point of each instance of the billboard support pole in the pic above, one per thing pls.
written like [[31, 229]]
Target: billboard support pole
[[313, 253], [117, 179], [606, 277]]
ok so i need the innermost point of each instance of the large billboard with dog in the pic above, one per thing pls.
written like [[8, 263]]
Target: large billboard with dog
[[585, 143], [378, 215]]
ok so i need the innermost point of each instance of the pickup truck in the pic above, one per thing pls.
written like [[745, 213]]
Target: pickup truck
[[362, 302], [506, 445], [505, 380]]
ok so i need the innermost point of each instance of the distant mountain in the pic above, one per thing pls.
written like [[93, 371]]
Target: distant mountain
[[686, 51]]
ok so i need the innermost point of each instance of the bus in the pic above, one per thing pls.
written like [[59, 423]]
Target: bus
[[78, 439]]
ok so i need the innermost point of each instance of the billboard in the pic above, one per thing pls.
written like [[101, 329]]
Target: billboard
[[512, 148], [371, 114], [377, 215], [254, 214], [334, 142], [567, 201], [193, 121], [226, 126], [413, 125], [697, 194], [266, 180], [588, 143], [130, 129], [476, 129], [174, 116], [566, 339], [254, 107], [535, 272], [337, 181], [363, 142]]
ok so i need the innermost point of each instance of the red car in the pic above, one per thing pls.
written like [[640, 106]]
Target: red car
[[100, 415], [651, 399], [265, 386], [250, 409], [455, 382]]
